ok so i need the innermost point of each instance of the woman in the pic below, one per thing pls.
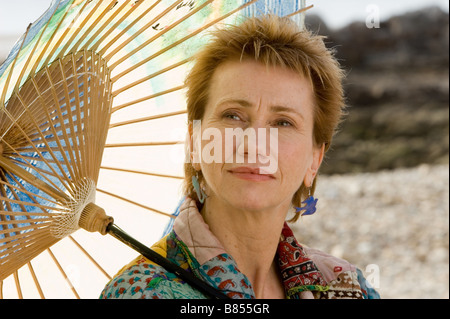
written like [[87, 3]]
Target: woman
[[268, 78]]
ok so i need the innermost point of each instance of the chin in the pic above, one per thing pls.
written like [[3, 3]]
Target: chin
[[250, 201]]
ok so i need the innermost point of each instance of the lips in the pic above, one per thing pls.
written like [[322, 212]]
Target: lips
[[250, 173]]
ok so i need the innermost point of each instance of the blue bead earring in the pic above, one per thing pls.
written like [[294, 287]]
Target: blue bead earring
[[310, 205], [198, 190]]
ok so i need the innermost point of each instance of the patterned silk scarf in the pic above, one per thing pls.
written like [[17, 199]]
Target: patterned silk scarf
[[299, 273]]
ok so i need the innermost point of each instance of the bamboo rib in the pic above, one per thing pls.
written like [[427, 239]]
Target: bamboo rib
[[25, 135], [26, 238], [19, 80], [299, 11], [49, 41], [36, 281], [90, 125], [106, 23], [84, 164], [46, 187], [12, 213], [135, 203], [156, 36], [27, 164], [65, 137], [146, 98], [140, 172], [9, 200], [63, 273], [63, 52], [102, 111], [67, 142], [176, 43], [29, 96], [105, 48], [139, 32], [151, 76], [147, 118], [70, 119], [41, 79], [99, 18], [88, 120], [5, 205], [26, 221], [17, 282], [33, 180], [31, 239], [13, 192], [105, 102], [20, 229], [42, 172], [15, 260], [8, 207], [5, 89], [144, 144], [106, 99], [73, 138], [90, 258]]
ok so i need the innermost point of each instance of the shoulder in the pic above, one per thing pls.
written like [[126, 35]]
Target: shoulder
[[148, 281], [131, 282], [329, 265], [143, 279], [343, 278]]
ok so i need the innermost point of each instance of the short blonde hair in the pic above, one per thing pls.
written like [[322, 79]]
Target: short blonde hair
[[273, 41]]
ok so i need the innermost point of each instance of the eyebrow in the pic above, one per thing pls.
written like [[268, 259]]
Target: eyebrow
[[275, 108], [241, 102]]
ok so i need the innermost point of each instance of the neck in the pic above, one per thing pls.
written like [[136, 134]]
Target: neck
[[252, 238]]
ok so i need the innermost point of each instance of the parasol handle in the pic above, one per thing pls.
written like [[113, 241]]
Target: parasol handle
[[93, 218]]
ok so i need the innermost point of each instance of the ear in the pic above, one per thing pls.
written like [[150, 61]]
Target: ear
[[317, 158], [193, 150]]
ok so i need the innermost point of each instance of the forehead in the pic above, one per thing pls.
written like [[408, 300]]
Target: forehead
[[252, 82]]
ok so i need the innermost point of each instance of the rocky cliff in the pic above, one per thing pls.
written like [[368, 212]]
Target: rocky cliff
[[397, 90]]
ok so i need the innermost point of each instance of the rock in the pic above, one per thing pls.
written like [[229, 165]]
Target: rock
[[397, 92]]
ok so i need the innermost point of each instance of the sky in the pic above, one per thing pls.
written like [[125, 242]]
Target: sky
[[15, 15]]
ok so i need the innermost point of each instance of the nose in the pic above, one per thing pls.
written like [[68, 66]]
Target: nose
[[254, 145]]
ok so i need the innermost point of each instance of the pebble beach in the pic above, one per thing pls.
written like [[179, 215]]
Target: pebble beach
[[393, 225]]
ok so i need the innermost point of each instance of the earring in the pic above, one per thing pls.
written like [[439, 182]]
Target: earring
[[198, 190], [310, 205]]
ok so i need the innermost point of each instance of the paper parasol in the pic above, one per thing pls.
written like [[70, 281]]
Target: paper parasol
[[92, 114]]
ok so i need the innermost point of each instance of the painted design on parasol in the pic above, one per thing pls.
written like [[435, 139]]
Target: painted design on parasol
[[62, 92]]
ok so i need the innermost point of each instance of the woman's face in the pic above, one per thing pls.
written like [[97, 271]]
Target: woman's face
[[263, 171]]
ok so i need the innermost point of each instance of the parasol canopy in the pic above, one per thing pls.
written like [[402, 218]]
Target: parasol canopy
[[92, 110]]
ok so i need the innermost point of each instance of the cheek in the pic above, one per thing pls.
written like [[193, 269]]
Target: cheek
[[214, 177], [213, 146], [293, 161]]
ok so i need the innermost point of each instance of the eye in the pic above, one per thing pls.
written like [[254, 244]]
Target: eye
[[284, 123], [231, 116]]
